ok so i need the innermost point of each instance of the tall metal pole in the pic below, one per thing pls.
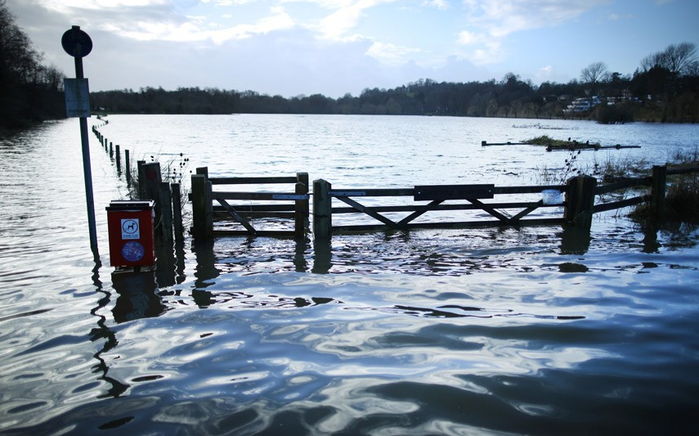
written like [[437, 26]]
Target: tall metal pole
[[78, 44], [87, 170]]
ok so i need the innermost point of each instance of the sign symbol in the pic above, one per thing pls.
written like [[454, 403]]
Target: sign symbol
[[130, 229]]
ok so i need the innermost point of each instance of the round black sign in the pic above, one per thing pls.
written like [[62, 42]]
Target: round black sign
[[76, 42]]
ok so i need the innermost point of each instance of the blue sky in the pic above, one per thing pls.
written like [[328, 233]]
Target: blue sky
[[334, 47]]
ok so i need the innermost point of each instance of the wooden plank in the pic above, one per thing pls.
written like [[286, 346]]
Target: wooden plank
[[251, 180], [236, 215], [676, 171], [254, 208], [223, 214], [448, 225], [370, 212], [452, 192], [278, 196], [527, 189], [373, 192], [623, 203], [625, 184]]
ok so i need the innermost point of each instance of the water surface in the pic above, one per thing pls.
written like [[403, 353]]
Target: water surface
[[491, 331]]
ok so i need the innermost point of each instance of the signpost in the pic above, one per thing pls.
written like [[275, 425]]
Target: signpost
[[78, 44]]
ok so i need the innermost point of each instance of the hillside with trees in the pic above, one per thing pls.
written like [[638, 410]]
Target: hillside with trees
[[29, 91]]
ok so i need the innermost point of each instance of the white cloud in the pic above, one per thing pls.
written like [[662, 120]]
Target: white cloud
[[442, 5], [468, 38], [390, 54], [191, 30], [490, 22], [337, 25], [63, 6]]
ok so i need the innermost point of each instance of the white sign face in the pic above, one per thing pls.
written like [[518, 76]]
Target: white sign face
[[77, 98], [130, 228]]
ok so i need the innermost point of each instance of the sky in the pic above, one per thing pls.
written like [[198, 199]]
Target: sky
[[334, 47]]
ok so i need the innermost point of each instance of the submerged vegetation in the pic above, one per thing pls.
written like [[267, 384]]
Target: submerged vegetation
[[557, 144]]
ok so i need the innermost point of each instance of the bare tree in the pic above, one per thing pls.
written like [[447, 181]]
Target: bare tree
[[678, 59], [594, 73], [680, 56]]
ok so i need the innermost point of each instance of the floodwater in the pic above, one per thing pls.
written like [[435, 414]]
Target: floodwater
[[452, 332]]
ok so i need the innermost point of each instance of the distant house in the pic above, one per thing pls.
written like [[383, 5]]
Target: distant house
[[582, 105]]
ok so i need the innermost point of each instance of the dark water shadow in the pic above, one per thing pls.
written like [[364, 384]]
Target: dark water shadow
[[575, 240], [103, 332], [205, 272], [138, 296]]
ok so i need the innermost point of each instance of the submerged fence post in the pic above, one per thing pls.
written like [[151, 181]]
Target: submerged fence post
[[322, 209], [580, 201], [165, 200], [202, 208], [301, 207], [127, 168], [657, 192], [118, 159], [177, 213]]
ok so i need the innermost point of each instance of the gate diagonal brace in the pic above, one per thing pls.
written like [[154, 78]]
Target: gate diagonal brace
[[371, 212], [236, 215], [502, 216], [526, 211], [420, 211]]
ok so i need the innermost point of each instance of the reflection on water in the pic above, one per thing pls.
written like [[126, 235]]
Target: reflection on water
[[137, 296], [104, 333], [491, 331]]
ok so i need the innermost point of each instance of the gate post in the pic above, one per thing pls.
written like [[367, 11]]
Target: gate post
[[301, 207], [657, 192], [322, 209], [580, 201], [202, 208]]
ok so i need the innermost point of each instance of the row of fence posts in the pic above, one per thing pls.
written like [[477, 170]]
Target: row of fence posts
[[148, 185]]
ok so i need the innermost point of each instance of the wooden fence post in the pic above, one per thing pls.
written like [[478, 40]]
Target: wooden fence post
[[165, 200], [118, 159], [322, 209], [202, 208], [177, 213], [149, 181], [301, 207], [140, 178], [149, 189], [111, 149], [580, 201], [127, 167], [657, 192]]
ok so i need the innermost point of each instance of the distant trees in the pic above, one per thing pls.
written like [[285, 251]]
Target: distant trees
[[29, 91], [659, 93]]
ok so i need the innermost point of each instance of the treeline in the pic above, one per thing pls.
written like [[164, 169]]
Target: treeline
[[656, 94], [664, 88], [29, 91]]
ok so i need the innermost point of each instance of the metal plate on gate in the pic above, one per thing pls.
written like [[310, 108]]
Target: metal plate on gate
[[452, 192]]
